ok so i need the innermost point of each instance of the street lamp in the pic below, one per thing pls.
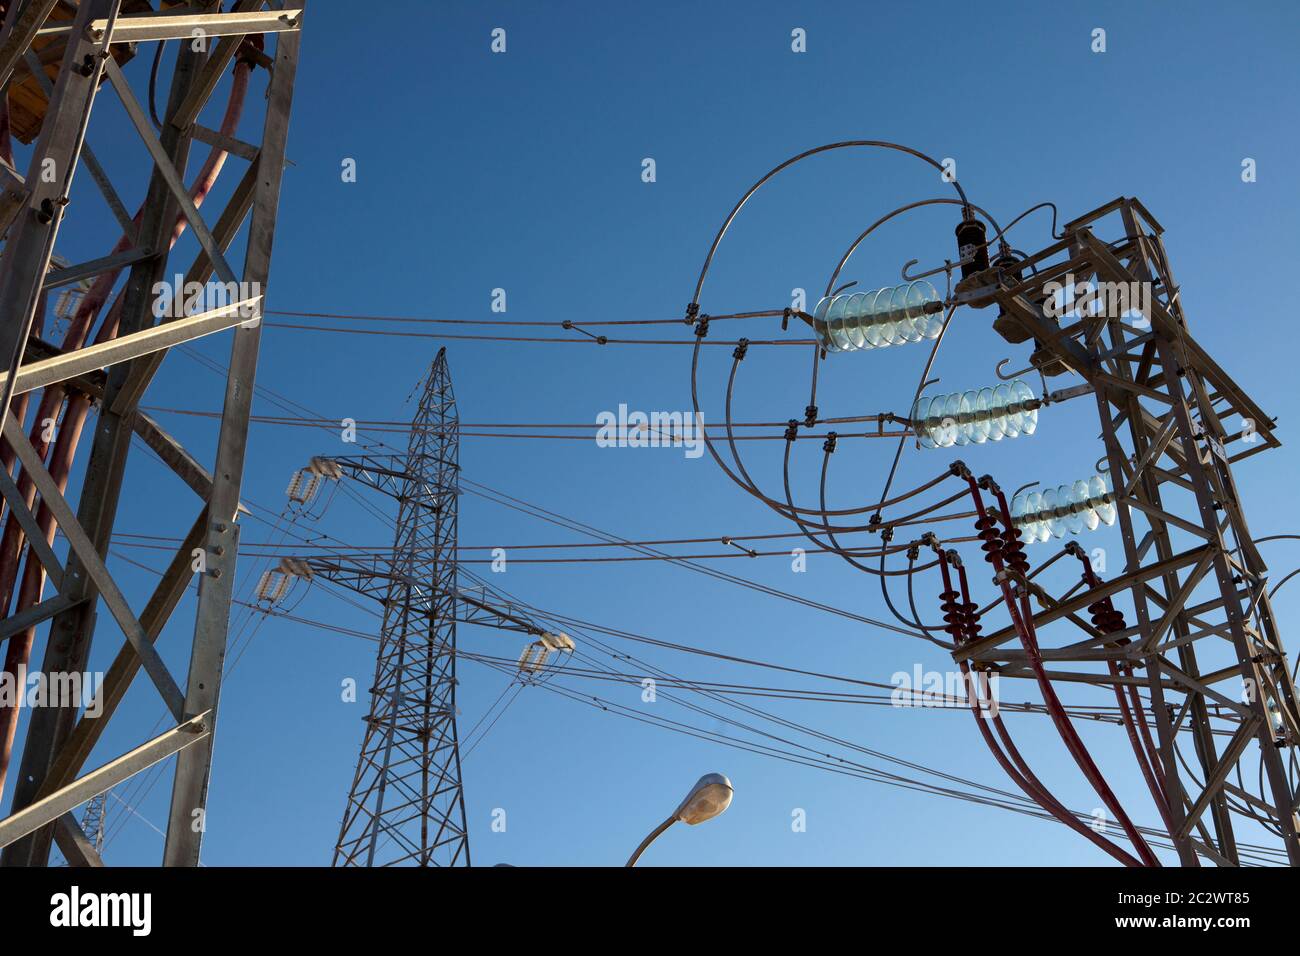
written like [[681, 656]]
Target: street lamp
[[711, 795]]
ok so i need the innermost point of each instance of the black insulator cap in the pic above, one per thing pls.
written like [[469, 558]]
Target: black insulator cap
[[972, 242]]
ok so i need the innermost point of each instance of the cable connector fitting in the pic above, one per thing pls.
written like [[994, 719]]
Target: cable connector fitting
[[792, 430], [810, 416], [730, 542], [568, 325], [738, 353], [828, 445]]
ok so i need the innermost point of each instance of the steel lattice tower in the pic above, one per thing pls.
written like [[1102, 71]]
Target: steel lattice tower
[[406, 803], [1204, 640], [92, 822], [58, 60]]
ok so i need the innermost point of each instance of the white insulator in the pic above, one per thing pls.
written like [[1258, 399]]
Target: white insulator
[[66, 305], [1275, 716], [326, 468], [534, 657], [295, 567], [558, 641], [976, 416], [883, 317], [272, 586], [265, 583], [302, 486], [1066, 509]]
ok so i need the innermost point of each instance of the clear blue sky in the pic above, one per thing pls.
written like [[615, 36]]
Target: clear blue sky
[[522, 171]]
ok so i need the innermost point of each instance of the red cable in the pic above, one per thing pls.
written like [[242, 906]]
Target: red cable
[[1156, 788], [1109, 620], [1020, 774], [1153, 753], [1022, 620]]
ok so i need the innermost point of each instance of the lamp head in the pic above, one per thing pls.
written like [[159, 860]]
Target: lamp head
[[710, 796]]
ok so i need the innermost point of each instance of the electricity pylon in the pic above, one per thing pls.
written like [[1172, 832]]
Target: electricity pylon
[[406, 804], [92, 822], [407, 781]]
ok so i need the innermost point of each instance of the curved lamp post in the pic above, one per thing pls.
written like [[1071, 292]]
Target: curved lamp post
[[711, 795]]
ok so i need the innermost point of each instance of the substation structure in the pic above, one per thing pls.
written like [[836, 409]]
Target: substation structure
[[1201, 639], [1204, 640], [406, 805], [54, 58]]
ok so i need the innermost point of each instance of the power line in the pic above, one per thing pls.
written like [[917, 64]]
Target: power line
[[646, 437], [770, 313], [520, 339]]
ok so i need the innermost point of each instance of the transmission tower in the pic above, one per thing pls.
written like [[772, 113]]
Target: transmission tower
[[56, 57], [92, 822], [92, 826], [406, 800], [406, 804]]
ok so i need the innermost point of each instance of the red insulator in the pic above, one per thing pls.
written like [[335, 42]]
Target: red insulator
[[1097, 611], [1105, 618], [986, 528], [971, 619], [1013, 552], [954, 617]]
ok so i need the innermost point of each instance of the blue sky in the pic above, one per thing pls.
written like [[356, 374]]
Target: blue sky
[[522, 171]]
